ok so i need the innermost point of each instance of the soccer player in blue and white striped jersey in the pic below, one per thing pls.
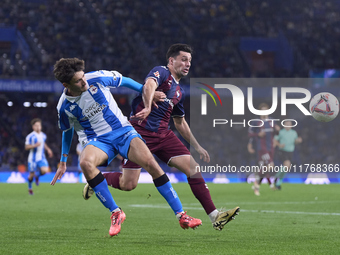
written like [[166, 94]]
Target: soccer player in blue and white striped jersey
[[88, 107], [37, 163]]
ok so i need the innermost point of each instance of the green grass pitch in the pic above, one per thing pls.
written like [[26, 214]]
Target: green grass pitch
[[299, 219]]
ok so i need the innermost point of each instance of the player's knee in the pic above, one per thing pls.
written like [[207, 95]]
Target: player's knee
[[149, 163], [129, 186], [86, 164]]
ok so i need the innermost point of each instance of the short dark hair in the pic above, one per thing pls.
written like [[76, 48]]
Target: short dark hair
[[35, 120], [174, 50], [65, 68]]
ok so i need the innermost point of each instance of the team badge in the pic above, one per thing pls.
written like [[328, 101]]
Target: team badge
[[156, 74], [93, 89]]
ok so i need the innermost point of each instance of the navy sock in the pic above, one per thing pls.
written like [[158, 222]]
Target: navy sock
[[164, 187], [99, 185], [30, 183]]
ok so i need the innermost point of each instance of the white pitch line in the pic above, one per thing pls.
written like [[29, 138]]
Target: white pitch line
[[271, 203], [241, 210]]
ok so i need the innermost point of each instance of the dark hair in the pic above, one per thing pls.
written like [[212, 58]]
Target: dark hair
[[35, 120], [174, 50], [65, 68]]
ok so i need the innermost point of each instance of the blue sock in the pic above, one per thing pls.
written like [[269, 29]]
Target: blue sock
[[99, 185], [37, 174], [164, 187], [30, 184]]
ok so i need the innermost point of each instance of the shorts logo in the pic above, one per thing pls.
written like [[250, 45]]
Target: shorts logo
[[156, 74]]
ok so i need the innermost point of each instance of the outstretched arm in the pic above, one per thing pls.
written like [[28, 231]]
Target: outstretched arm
[[65, 148], [148, 96], [131, 84], [185, 131]]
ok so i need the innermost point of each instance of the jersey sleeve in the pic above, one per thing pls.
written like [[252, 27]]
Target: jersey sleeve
[[295, 135], [159, 74], [31, 139], [111, 79], [27, 140], [253, 131], [64, 122], [277, 137], [178, 110]]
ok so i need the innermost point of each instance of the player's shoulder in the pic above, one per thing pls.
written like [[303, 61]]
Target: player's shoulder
[[158, 71], [61, 101], [104, 78], [32, 135]]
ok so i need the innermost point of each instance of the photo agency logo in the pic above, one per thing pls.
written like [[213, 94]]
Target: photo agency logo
[[323, 107]]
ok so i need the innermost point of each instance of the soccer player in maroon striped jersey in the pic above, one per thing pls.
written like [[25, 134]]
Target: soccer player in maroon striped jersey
[[153, 126]]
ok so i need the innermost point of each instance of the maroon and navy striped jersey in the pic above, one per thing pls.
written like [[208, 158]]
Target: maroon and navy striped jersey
[[263, 143], [159, 118]]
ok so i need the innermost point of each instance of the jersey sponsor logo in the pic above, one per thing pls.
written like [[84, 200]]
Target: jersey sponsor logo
[[93, 110], [169, 101], [93, 89], [177, 93], [156, 74]]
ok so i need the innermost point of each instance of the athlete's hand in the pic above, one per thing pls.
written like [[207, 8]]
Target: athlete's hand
[[158, 97], [50, 153], [140, 116], [203, 154], [61, 170]]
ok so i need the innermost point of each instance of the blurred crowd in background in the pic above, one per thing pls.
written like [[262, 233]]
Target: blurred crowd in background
[[133, 36]]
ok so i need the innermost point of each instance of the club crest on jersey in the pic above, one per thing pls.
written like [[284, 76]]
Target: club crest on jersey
[[156, 74], [93, 89]]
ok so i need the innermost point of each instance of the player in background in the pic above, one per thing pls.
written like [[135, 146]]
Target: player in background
[[36, 144], [88, 107], [153, 126], [264, 137], [251, 149], [286, 140]]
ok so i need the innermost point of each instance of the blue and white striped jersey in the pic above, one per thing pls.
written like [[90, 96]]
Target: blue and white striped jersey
[[38, 153], [94, 112]]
